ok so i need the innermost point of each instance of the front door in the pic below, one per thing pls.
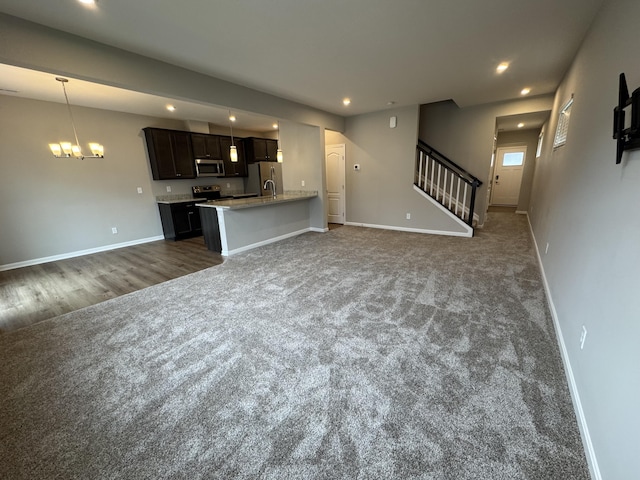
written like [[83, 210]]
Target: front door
[[334, 156], [507, 175]]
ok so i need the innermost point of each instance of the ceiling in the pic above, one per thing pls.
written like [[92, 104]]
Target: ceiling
[[529, 121], [22, 82], [376, 52]]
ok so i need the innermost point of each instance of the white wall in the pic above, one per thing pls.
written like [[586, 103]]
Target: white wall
[[465, 135], [381, 193], [52, 206], [585, 207], [302, 147]]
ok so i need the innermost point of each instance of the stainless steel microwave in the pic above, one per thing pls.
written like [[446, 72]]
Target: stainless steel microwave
[[209, 168]]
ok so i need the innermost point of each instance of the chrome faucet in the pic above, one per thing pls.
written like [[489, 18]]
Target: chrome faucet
[[273, 186]]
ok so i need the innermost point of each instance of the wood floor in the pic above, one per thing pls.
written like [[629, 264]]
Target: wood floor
[[32, 294]]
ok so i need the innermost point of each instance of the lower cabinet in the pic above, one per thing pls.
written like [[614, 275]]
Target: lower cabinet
[[180, 220], [211, 229]]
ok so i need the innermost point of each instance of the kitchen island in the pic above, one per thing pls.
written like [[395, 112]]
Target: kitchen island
[[236, 225]]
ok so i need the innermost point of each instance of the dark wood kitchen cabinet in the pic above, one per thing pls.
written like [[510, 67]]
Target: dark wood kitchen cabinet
[[180, 220], [260, 149], [231, 169], [206, 146], [170, 154]]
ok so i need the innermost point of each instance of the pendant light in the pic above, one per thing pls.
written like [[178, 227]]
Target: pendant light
[[279, 156], [66, 149], [233, 152]]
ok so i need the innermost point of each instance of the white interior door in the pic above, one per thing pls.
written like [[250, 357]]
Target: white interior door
[[334, 157], [507, 175]]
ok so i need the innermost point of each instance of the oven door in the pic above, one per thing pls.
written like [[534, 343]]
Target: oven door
[[209, 168]]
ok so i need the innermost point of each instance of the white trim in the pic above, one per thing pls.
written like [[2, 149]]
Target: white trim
[[79, 253], [573, 388], [468, 230], [521, 212], [343, 197], [222, 229], [227, 253], [319, 230], [411, 230]]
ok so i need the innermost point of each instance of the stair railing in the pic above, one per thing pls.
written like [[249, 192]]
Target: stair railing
[[446, 182]]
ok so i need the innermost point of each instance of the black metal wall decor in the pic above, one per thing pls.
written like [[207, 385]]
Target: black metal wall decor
[[626, 119]]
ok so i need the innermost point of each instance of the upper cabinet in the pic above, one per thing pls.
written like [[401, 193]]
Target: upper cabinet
[[260, 149], [170, 154], [206, 146], [233, 169]]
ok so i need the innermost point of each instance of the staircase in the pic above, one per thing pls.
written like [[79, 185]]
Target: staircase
[[446, 184]]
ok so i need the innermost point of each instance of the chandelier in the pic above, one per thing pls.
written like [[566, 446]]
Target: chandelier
[[66, 149]]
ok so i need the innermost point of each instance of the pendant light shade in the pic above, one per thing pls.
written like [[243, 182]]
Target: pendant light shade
[[279, 156], [233, 151], [66, 149]]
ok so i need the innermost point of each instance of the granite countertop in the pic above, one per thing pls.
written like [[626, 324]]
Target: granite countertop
[[237, 203], [180, 200]]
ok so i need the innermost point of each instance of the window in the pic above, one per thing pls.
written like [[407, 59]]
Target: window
[[515, 159], [539, 148], [563, 125]]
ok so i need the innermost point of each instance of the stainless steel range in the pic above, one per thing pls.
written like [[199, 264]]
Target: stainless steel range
[[210, 192], [214, 192]]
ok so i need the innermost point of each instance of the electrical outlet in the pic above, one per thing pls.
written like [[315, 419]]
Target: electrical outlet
[[583, 336], [114, 230], [546, 250], [302, 183], [228, 185], [168, 188], [408, 216], [139, 189]]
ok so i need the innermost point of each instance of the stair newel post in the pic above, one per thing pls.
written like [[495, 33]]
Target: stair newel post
[[472, 202]]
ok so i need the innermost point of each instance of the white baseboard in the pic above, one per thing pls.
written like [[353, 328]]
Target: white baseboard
[[319, 230], [79, 253], [573, 388], [228, 253], [521, 212], [412, 230]]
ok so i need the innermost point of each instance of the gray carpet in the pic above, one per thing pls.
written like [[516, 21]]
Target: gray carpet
[[354, 354]]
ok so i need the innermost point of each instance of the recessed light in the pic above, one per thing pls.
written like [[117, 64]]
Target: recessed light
[[275, 126], [502, 67], [232, 118], [88, 2], [346, 101], [391, 103], [520, 125], [171, 108], [525, 91]]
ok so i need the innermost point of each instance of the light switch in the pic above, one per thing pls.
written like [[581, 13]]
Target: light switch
[[139, 189], [393, 121]]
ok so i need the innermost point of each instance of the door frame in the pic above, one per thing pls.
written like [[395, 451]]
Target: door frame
[[523, 147], [343, 196]]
